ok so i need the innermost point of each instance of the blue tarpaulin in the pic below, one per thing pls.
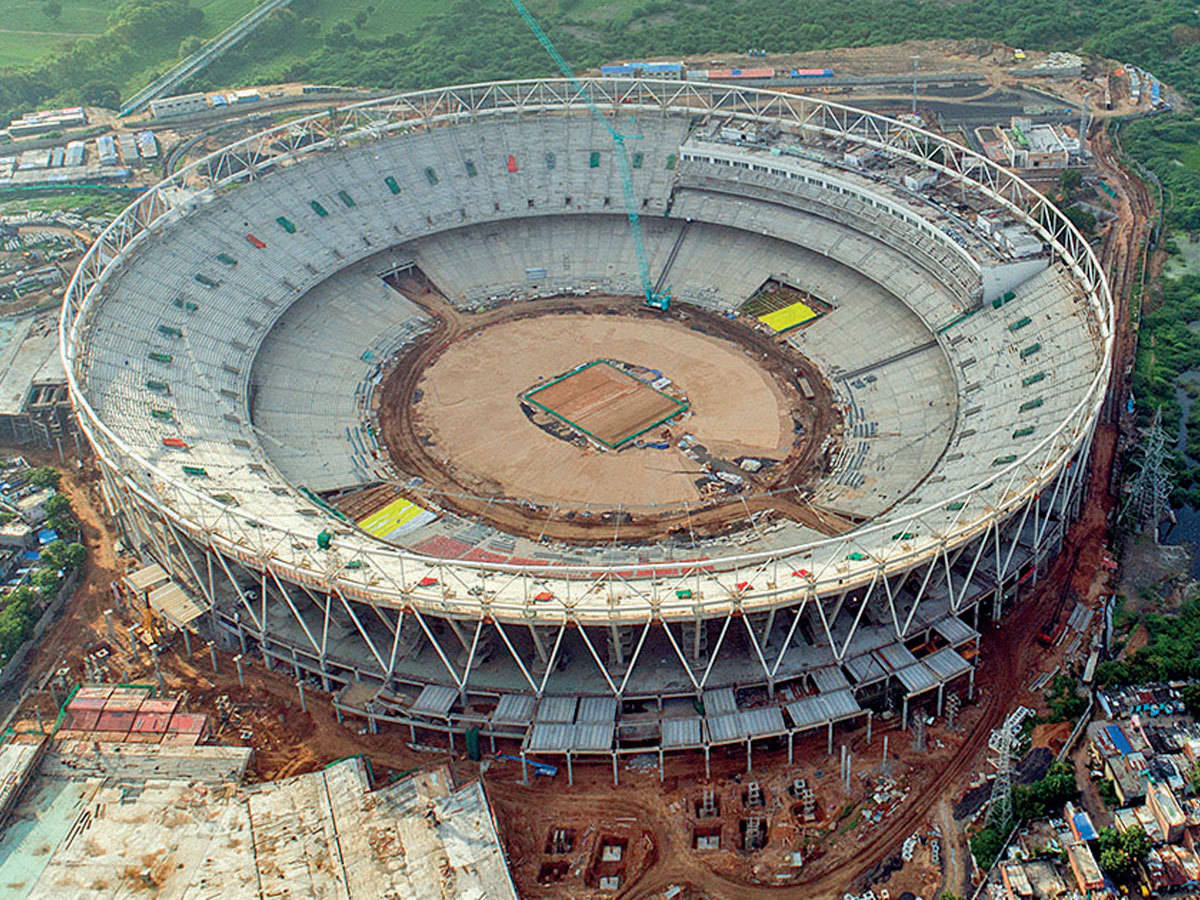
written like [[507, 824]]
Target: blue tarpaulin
[[1117, 736], [1084, 827], [46, 535]]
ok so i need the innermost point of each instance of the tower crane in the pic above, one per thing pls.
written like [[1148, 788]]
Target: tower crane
[[660, 300]]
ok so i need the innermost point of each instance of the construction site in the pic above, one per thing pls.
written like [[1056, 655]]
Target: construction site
[[731, 599]]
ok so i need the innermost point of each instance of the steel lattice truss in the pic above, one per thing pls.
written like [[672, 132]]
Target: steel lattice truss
[[865, 565]]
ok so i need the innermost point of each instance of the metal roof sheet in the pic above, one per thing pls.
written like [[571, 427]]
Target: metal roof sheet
[[725, 728], [896, 656], [596, 709], [434, 700], [946, 664], [955, 630], [559, 737], [762, 721], [514, 709], [550, 736], [916, 678], [557, 709], [866, 669], [681, 732], [719, 702], [172, 602], [146, 576], [830, 679], [595, 736], [809, 712]]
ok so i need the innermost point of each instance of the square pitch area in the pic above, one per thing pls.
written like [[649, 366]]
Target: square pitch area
[[606, 404]]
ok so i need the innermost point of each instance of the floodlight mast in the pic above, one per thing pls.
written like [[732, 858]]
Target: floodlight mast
[[657, 299]]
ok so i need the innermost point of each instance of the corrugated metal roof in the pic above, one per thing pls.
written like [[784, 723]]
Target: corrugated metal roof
[[549, 736], [514, 709], [764, 720], [916, 678], [896, 656], [829, 679], [866, 669], [946, 664], [955, 631], [172, 602], [146, 576], [434, 700], [809, 712], [725, 728], [557, 709], [596, 709], [681, 732], [719, 702], [559, 737], [596, 736]]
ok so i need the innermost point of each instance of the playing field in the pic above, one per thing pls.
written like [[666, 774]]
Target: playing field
[[605, 403], [394, 519], [789, 317]]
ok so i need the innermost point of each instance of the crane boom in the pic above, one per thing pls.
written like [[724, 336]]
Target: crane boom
[[657, 299]]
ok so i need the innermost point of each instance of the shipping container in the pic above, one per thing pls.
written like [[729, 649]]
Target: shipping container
[[811, 73]]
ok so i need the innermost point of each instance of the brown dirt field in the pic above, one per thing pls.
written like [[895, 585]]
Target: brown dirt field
[[736, 409], [605, 402], [780, 489]]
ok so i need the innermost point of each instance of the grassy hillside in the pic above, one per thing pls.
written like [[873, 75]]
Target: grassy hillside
[[29, 29]]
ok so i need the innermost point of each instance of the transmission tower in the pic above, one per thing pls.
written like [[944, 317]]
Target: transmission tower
[[1000, 811], [1149, 500]]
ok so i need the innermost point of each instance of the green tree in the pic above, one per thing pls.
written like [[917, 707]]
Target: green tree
[[75, 556], [1191, 698], [1136, 844], [1116, 863], [53, 10], [45, 579], [45, 476], [1069, 182]]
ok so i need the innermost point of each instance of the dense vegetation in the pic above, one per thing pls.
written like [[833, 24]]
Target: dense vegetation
[[1030, 801], [473, 40], [23, 604], [1173, 651], [1121, 852]]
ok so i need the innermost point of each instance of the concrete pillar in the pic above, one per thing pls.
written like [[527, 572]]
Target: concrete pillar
[[108, 624], [133, 647], [904, 716], [749, 760], [971, 685], [791, 739], [830, 741], [941, 694], [524, 769], [212, 653], [707, 773], [187, 643], [870, 715], [570, 773], [614, 759], [661, 773], [300, 688], [38, 712], [240, 670]]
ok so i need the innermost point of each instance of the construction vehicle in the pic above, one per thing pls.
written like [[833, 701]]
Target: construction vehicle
[[660, 300], [153, 628]]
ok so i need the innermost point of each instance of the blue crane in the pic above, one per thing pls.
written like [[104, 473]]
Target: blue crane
[[660, 300]]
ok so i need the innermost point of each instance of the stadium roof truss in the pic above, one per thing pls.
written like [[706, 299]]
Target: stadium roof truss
[[1027, 488]]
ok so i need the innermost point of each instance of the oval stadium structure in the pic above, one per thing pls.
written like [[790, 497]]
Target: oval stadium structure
[[379, 390]]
